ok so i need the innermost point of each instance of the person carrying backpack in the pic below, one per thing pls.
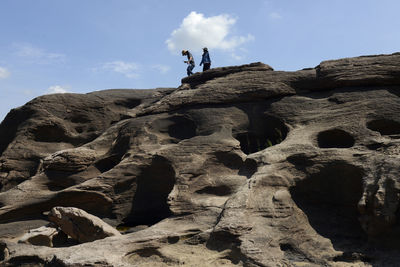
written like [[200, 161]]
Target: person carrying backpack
[[205, 59], [190, 61]]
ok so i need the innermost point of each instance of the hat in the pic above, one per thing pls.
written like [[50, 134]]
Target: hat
[[184, 51], [205, 49]]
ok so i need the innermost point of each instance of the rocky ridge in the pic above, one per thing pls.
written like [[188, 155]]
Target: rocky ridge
[[241, 166]]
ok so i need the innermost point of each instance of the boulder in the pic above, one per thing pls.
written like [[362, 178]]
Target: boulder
[[80, 225]]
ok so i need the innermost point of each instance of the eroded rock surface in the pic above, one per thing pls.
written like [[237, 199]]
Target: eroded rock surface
[[81, 225], [239, 166]]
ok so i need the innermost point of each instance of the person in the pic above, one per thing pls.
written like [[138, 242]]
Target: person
[[205, 59], [190, 61]]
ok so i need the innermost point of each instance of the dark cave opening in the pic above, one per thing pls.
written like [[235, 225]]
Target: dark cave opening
[[178, 127], [335, 138], [329, 199], [50, 133], [267, 132], [107, 163], [128, 103], [153, 187], [384, 126], [182, 128]]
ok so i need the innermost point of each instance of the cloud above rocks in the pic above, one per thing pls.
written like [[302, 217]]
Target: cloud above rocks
[[56, 89], [163, 69], [4, 73], [37, 55], [197, 31], [128, 69]]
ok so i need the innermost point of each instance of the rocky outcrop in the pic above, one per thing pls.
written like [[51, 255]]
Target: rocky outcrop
[[239, 166], [80, 225]]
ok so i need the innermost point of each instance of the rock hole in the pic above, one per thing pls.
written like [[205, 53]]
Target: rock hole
[[231, 160], [384, 126], [235, 162], [249, 168], [3, 251], [26, 261], [173, 239], [286, 247], [80, 119], [79, 129], [375, 146], [148, 252], [154, 184], [226, 241], [329, 199], [106, 164], [49, 133], [335, 138], [258, 137], [128, 103], [178, 127]]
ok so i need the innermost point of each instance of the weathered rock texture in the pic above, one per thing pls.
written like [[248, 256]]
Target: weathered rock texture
[[42, 236], [80, 225], [241, 166]]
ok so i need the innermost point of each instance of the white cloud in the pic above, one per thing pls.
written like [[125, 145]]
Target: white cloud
[[56, 89], [197, 31], [163, 69], [129, 69], [275, 16], [236, 57], [4, 73], [37, 55]]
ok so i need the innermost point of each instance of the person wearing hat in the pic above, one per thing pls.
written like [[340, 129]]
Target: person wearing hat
[[190, 61], [205, 59]]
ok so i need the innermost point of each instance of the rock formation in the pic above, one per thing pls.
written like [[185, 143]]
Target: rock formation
[[239, 166], [80, 225]]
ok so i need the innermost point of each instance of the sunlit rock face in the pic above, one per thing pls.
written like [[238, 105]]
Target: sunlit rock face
[[239, 166]]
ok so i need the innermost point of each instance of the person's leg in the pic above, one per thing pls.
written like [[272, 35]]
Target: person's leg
[[189, 69], [206, 66]]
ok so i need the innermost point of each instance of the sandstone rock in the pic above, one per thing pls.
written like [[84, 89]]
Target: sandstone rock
[[239, 166], [42, 236], [80, 225]]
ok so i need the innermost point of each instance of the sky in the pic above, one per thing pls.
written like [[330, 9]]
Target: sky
[[80, 46]]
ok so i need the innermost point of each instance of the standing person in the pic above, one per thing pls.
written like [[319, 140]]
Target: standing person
[[205, 59], [190, 61]]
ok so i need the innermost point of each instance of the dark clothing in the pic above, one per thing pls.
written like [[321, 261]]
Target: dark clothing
[[205, 58], [206, 66], [206, 61], [190, 68], [190, 57]]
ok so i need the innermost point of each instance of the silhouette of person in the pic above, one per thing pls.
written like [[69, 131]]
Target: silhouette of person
[[190, 61], [205, 59]]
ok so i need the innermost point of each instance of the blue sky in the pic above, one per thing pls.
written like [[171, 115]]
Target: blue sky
[[79, 46]]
